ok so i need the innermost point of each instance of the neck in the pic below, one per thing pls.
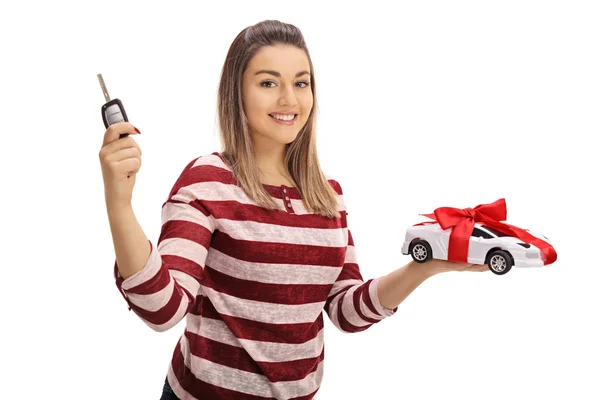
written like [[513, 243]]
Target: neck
[[271, 159]]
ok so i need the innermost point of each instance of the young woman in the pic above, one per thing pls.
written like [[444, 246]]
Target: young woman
[[254, 242]]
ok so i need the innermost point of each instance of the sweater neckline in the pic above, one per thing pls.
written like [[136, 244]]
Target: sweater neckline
[[276, 190]]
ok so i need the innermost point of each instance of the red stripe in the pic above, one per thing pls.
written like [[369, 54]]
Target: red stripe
[[181, 229], [280, 253]]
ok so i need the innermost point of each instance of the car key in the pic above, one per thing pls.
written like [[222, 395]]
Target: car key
[[113, 111]]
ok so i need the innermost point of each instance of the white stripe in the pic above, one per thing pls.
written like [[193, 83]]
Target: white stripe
[[185, 248], [351, 255], [185, 212], [266, 232], [211, 329], [213, 160]]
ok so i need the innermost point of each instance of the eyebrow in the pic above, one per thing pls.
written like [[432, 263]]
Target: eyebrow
[[277, 74]]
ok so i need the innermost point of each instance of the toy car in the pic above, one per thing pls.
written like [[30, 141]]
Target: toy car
[[486, 246]]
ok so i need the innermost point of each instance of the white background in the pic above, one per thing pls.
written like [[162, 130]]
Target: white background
[[422, 104]]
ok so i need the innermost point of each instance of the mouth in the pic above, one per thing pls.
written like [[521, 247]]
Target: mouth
[[284, 121]]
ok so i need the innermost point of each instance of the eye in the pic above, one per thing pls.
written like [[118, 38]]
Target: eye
[[262, 83], [304, 82]]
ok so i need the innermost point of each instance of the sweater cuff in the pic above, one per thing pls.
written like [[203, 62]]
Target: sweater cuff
[[383, 311], [149, 269]]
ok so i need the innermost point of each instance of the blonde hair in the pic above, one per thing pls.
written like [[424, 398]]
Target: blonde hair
[[318, 196]]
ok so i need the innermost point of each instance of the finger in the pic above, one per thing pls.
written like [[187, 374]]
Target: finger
[[114, 131], [475, 267], [125, 154], [117, 145]]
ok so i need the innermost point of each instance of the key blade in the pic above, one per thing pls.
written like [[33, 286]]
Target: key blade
[[103, 86]]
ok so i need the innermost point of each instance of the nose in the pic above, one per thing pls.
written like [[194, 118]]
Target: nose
[[287, 96]]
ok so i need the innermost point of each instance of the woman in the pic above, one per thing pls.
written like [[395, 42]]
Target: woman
[[254, 242]]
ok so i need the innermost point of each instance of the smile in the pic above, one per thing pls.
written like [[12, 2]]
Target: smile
[[286, 121]]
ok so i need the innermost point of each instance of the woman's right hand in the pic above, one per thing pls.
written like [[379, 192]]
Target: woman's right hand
[[120, 159]]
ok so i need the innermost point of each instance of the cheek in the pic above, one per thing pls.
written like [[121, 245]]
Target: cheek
[[253, 101], [254, 109], [307, 101], [258, 105], [307, 107]]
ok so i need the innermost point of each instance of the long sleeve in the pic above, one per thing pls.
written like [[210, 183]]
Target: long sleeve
[[352, 304], [165, 289]]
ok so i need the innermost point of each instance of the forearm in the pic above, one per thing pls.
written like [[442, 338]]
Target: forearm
[[394, 287], [132, 248]]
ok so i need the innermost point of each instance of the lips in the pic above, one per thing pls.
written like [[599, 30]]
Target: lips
[[295, 115], [282, 121]]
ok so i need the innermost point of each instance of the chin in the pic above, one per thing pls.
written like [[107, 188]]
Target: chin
[[283, 137], [285, 140]]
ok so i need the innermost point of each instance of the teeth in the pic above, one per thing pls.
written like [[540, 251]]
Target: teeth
[[284, 117]]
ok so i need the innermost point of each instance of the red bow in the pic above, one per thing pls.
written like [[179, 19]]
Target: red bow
[[463, 220]]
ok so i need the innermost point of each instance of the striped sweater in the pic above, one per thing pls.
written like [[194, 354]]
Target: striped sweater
[[252, 285]]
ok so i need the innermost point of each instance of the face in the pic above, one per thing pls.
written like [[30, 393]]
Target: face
[[284, 91]]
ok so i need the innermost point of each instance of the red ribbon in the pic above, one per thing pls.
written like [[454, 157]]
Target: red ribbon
[[463, 220]]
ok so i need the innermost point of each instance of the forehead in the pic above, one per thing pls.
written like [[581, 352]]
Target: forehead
[[286, 59]]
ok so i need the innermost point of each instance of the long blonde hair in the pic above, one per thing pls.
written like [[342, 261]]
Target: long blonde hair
[[317, 194]]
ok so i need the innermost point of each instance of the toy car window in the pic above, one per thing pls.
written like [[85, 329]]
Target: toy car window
[[479, 233], [495, 231]]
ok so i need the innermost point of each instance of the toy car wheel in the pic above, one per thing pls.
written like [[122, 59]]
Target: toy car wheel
[[420, 251], [499, 262]]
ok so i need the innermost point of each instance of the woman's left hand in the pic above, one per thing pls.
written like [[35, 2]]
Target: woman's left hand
[[437, 266]]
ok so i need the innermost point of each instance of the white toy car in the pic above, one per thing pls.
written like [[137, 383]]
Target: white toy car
[[486, 246]]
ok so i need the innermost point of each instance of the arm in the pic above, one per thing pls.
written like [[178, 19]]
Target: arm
[[394, 287], [397, 285], [130, 242], [161, 287]]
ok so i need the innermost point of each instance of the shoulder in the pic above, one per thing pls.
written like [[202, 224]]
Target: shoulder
[[208, 162], [337, 187], [210, 166], [335, 184], [204, 171]]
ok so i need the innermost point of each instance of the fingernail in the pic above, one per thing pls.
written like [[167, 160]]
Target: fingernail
[[137, 130]]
